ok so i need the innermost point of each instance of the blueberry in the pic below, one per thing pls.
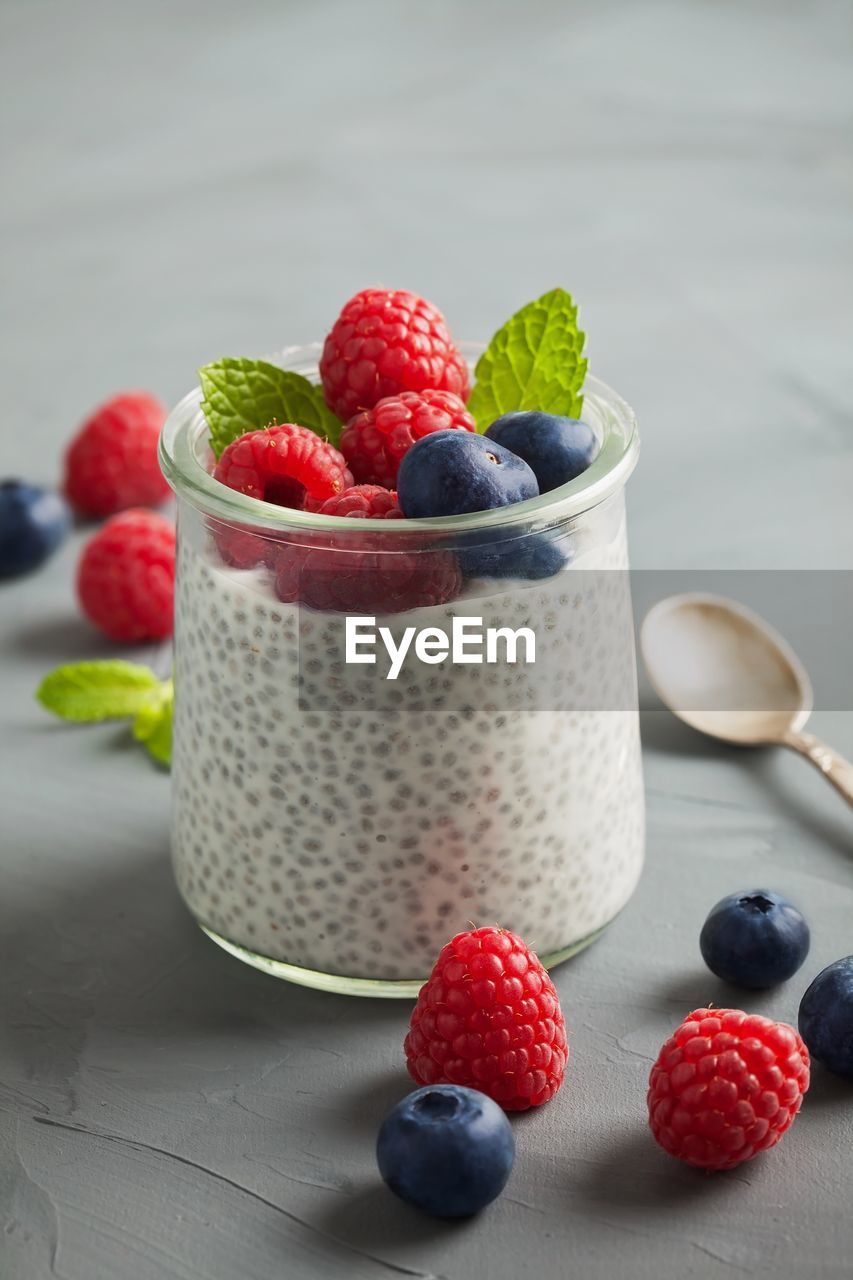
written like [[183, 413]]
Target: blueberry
[[451, 472], [556, 449], [33, 522], [494, 555], [754, 939], [446, 1150], [826, 1018]]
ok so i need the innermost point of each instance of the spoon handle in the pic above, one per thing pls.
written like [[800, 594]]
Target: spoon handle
[[832, 765]]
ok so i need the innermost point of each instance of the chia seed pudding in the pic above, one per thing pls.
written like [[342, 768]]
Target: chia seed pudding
[[339, 824]]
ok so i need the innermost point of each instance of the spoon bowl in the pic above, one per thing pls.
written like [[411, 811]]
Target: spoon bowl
[[727, 673]]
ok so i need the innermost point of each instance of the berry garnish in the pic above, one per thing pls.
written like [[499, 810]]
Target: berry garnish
[[375, 441], [726, 1086], [126, 577], [507, 554], [826, 1017], [33, 523], [287, 465], [556, 449], [386, 341], [452, 472], [111, 463], [380, 576], [364, 501], [754, 939], [241, 547], [377, 577], [488, 1017], [446, 1150]]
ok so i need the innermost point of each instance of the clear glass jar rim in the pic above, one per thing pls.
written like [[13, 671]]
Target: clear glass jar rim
[[604, 409]]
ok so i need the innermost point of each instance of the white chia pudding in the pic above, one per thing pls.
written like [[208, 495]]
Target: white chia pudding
[[347, 825]]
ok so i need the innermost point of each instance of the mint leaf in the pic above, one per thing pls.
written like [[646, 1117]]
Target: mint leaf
[[114, 690], [97, 690], [153, 724], [243, 395], [534, 362]]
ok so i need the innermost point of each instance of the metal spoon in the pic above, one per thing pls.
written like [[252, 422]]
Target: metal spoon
[[721, 669]]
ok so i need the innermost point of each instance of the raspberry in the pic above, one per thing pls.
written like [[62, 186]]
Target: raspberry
[[489, 1017], [126, 576], [243, 548], [365, 501], [288, 465], [726, 1086], [386, 341], [111, 463], [366, 575], [375, 441]]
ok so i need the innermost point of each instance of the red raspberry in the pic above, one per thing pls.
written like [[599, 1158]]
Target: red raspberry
[[374, 442], [726, 1086], [369, 574], [241, 547], [112, 462], [366, 575], [126, 576], [489, 1017], [386, 341], [288, 465], [365, 501]]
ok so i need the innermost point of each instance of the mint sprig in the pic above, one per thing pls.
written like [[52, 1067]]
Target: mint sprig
[[241, 395], [534, 362], [114, 690]]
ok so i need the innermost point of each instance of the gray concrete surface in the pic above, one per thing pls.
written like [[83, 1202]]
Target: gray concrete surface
[[187, 180]]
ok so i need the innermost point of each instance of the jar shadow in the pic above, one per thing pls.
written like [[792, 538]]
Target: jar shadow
[[115, 957]]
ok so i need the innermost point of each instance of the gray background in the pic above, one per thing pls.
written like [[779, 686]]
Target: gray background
[[188, 180]]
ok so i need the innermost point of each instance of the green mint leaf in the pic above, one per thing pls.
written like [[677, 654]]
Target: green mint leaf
[[241, 395], [97, 690], [534, 362], [153, 723]]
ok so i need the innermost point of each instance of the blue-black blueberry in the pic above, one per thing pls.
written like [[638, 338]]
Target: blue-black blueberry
[[446, 1149], [754, 939], [450, 473], [826, 1018], [556, 449], [33, 523]]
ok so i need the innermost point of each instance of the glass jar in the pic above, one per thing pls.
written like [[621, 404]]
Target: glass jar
[[342, 804]]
